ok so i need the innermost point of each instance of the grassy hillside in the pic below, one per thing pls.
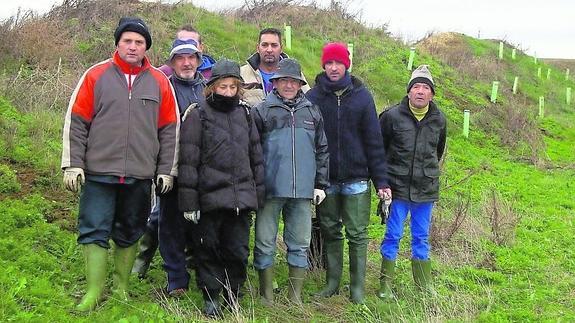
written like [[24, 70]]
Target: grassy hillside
[[502, 231]]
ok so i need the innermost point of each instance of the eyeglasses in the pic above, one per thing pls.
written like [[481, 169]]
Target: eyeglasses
[[289, 80]]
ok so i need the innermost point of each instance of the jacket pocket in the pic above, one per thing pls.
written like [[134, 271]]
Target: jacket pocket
[[151, 101]]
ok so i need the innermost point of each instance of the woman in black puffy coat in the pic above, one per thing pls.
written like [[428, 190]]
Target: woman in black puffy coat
[[221, 181]]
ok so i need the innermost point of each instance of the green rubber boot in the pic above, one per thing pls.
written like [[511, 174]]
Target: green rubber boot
[[295, 281], [421, 270], [356, 210], [95, 258], [266, 277], [357, 264], [123, 263], [329, 218], [334, 257], [386, 277]]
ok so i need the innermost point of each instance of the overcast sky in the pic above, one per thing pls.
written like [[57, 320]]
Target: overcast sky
[[544, 29]]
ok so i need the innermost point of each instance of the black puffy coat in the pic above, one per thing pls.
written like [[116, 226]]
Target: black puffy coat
[[413, 150], [221, 161]]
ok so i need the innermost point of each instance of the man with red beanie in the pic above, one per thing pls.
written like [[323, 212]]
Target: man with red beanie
[[356, 156]]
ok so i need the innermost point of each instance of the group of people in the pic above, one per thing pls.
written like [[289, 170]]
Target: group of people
[[216, 142]]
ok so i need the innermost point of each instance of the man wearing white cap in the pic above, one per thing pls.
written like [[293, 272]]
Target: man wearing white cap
[[174, 230], [414, 134]]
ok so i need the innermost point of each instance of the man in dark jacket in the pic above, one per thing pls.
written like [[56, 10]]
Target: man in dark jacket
[[167, 226], [296, 168], [414, 138], [188, 32], [356, 155]]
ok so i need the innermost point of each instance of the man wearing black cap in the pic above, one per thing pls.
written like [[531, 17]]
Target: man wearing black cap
[[414, 138], [121, 132], [296, 168]]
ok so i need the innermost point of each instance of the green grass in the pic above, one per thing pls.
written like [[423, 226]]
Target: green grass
[[519, 271]]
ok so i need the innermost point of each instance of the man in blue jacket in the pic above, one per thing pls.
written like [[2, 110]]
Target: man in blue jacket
[[166, 225], [356, 156], [296, 171], [414, 134]]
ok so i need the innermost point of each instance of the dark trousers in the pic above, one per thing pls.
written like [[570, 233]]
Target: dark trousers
[[221, 249], [174, 233], [116, 211]]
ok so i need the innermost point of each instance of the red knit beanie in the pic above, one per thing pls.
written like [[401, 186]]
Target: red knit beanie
[[335, 52]]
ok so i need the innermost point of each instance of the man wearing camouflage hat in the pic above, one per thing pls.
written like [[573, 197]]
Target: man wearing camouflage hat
[[296, 168], [414, 134]]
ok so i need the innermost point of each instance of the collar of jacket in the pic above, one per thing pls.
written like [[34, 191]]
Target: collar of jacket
[[404, 108], [356, 84], [207, 62], [129, 69], [254, 60], [273, 100], [198, 78]]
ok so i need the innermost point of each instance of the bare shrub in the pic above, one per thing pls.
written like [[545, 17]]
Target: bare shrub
[[443, 230], [502, 219], [52, 88], [455, 235], [308, 16], [452, 49], [517, 128]]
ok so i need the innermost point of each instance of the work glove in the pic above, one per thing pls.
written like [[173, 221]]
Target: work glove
[[318, 196], [384, 195], [74, 178], [383, 209], [164, 184], [193, 216]]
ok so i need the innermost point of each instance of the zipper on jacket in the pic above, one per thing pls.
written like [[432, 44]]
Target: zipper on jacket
[[129, 120], [130, 85], [413, 157], [293, 150], [233, 175], [339, 159]]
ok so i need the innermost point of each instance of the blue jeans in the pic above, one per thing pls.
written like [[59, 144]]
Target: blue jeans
[[174, 233], [420, 224], [113, 211], [297, 231], [347, 188]]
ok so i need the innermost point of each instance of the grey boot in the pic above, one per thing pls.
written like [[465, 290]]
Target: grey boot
[[296, 279], [385, 279], [147, 249], [266, 277]]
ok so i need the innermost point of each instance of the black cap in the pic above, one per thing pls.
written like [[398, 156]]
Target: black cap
[[136, 25], [225, 68]]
